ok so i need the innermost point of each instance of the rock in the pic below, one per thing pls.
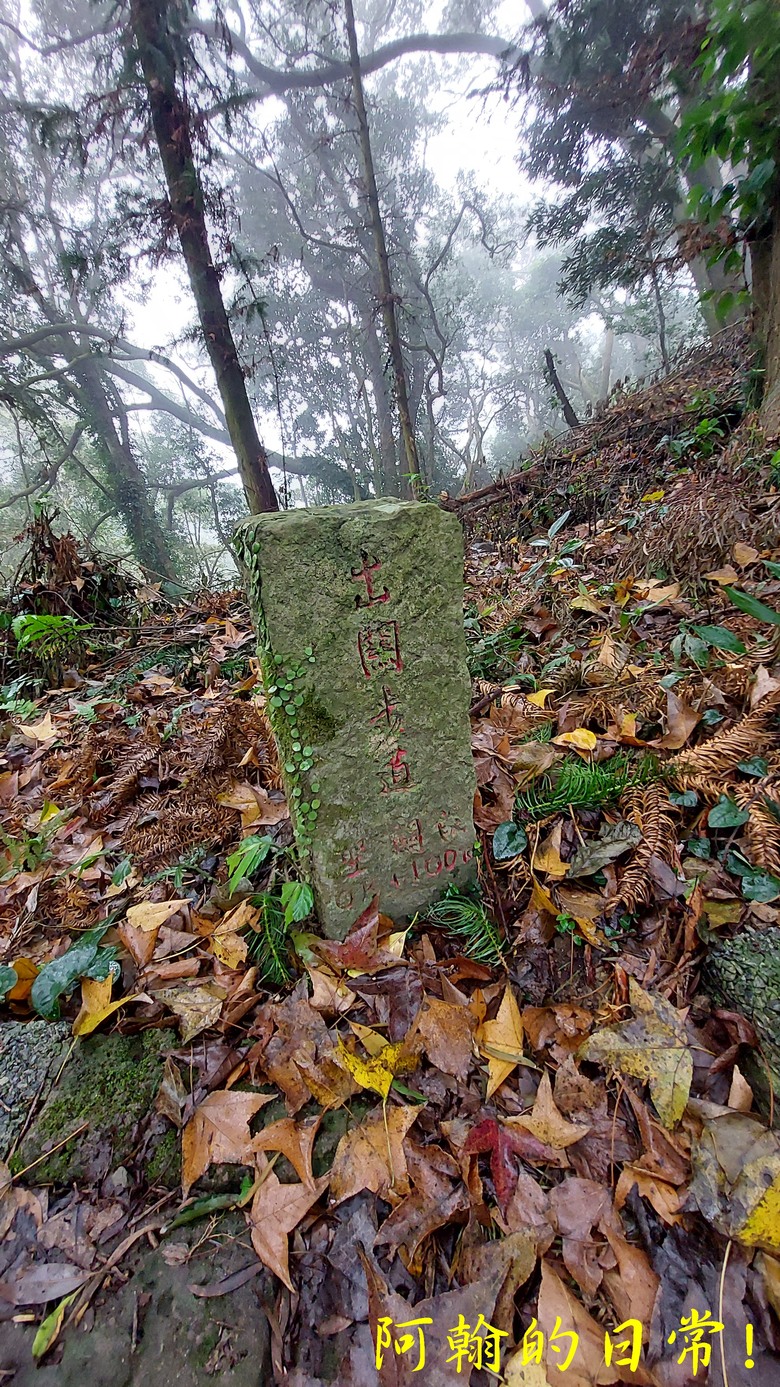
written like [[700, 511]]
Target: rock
[[359, 611], [154, 1332], [110, 1082], [30, 1055]]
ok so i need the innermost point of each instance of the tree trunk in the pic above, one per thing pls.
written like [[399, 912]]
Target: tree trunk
[[606, 362], [387, 298], [171, 124], [126, 480], [765, 261], [743, 974], [555, 382], [384, 417]]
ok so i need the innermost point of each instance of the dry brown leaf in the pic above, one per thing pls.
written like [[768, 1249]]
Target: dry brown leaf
[[42, 731], [276, 1210], [218, 1133], [744, 554], [680, 720], [665, 1199], [197, 1006], [501, 1041], [546, 1123], [329, 993], [447, 1032], [295, 1140], [362, 1161], [724, 577], [560, 1310], [652, 1046], [150, 915]]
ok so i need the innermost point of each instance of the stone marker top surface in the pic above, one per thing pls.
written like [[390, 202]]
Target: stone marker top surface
[[359, 612]]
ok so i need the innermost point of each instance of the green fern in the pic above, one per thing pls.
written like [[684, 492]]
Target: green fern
[[467, 921], [268, 942], [584, 785]]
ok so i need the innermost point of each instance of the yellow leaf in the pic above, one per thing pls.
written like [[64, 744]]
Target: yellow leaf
[[49, 1328], [585, 603], [723, 576], [541, 899], [395, 942], [371, 1041], [657, 592], [150, 915], [581, 739], [502, 1037], [227, 944], [26, 972], [547, 857], [49, 811], [42, 731], [378, 1071], [652, 1046], [653, 496], [96, 1004], [736, 1178], [197, 1006], [540, 697]]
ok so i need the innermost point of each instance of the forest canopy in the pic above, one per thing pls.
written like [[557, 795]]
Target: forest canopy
[[265, 245]]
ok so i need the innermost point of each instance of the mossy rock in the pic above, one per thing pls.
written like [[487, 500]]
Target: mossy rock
[[31, 1054], [110, 1083]]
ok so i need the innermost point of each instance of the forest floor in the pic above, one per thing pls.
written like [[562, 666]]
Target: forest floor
[[529, 1133]]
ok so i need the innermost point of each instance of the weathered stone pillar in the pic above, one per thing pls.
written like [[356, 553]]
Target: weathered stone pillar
[[359, 613]]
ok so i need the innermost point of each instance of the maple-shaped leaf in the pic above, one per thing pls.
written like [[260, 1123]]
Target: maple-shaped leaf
[[371, 1156], [377, 1071], [652, 1046], [546, 1123], [276, 1210], [501, 1041], [505, 1144], [295, 1140], [360, 951], [218, 1131]]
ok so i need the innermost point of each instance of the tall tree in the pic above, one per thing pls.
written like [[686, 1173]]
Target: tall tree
[[157, 33]]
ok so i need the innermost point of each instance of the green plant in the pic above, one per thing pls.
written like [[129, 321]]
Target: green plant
[[27, 853], [567, 925], [468, 922], [11, 701], [286, 699], [244, 862], [268, 941], [582, 785], [493, 655], [51, 636]]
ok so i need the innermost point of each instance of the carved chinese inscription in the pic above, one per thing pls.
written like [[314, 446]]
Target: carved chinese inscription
[[375, 590]]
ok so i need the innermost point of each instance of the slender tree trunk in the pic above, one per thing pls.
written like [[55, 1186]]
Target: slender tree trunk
[[171, 123], [555, 382], [606, 362], [384, 417], [766, 296], [387, 297]]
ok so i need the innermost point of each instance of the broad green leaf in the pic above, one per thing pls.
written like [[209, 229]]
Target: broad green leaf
[[721, 638], [8, 979], [760, 886], [84, 959], [298, 901], [727, 814], [752, 607], [686, 799], [756, 765], [558, 524], [508, 841], [49, 1328]]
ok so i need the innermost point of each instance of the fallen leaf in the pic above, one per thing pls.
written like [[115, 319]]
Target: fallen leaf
[[26, 972], [744, 554], [736, 1179], [547, 856], [228, 945], [723, 576], [172, 1094], [96, 1004], [197, 1006], [546, 1123], [680, 720], [276, 1210], [218, 1133], [505, 1143], [539, 697], [501, 1041], [580, 739], [359, 951], [295, 1140], [378, 1071], [362, 1160], [652, 1047], [560, 1315], [613, 840], [42, 731], [447, 1032], [438, 1198], [150, 915]]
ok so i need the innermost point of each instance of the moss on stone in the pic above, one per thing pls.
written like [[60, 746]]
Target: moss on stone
[[164, 1164], [110, 1083]]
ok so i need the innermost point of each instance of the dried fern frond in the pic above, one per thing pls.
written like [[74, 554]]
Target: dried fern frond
[[125, 783], [753, 734], [762, 830], [648, 808], [708, 788]]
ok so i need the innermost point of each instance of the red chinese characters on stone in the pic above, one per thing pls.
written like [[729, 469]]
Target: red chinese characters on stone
[[389, 715], [352, 861], [410, 840], [379, 648], [396, 774], [364, 574]]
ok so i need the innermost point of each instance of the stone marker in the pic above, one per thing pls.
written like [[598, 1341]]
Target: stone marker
[[359, 613]]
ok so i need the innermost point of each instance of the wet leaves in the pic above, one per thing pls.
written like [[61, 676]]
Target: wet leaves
[[652, 1046]]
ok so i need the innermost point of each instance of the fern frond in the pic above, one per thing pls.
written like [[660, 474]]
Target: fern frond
[[758, 732], [268, 942], [648, 808], [582, 785], [468, 922]]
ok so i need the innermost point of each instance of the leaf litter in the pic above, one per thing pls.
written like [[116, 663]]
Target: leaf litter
[[559, 1134]]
